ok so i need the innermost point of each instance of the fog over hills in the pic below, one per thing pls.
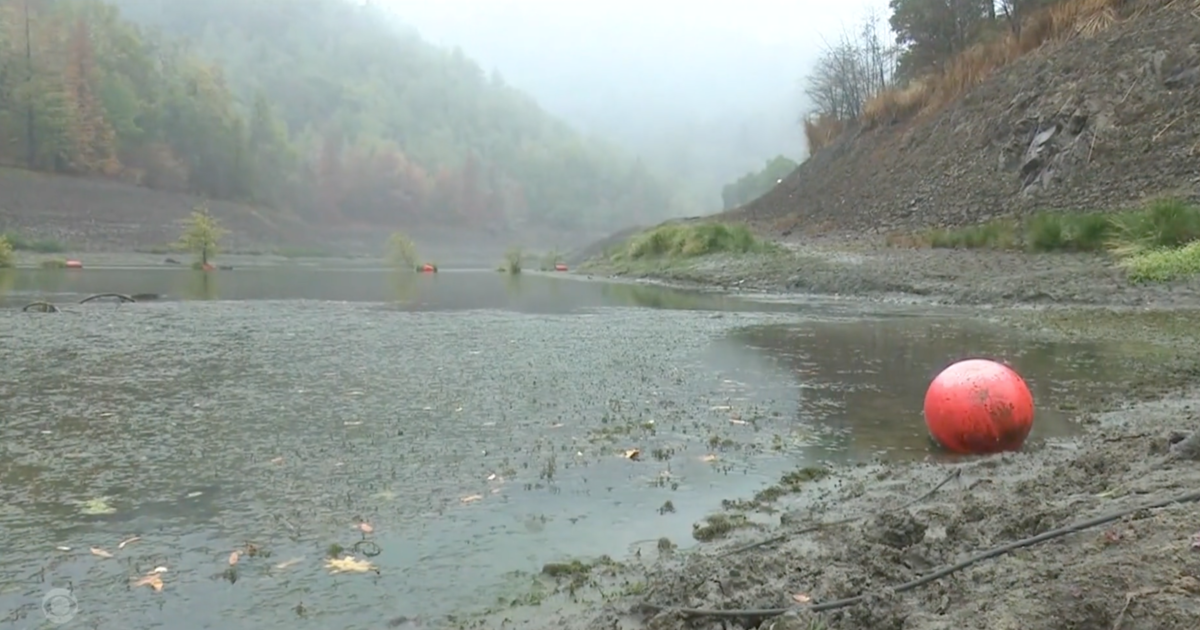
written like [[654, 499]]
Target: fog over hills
[[703, 91]]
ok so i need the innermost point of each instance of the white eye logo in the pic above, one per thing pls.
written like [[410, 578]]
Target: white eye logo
[[59, 606]]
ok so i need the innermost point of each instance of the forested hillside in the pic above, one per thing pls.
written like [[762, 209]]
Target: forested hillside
[[311, 105]]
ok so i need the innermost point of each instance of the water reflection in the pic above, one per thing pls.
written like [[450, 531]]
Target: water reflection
[[862, 383]]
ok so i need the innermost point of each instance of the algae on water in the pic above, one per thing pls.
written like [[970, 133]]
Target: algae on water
[[97, 506]]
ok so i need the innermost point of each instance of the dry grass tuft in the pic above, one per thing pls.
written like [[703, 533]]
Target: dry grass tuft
[[820, 131], [1059, 22]]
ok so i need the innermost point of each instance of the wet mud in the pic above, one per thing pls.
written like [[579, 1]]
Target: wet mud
[[862, 539]]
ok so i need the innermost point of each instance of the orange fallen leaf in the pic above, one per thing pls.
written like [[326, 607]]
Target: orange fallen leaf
[[801, 598], [472, 498], [128, 541], [365, 527], [152, 580], [96, 551], [633, 454], [233, 558]]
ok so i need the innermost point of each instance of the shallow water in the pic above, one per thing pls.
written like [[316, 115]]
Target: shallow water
[[478, 422]]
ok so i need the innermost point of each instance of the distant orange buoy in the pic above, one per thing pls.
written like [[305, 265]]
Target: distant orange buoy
[[428, 268], [207, 267], [979, 406], [73, 264], [560, 267]]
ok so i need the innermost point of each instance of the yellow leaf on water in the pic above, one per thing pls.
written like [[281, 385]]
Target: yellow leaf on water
[[365, 528], [96, 551], [472, 498], [633, 454], [349, 564], [233, 558], [709, 458], [128, 541], [153, 580]]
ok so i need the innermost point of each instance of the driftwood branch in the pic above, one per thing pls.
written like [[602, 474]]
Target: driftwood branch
[[41, 307], [761, 614], [99, 296]]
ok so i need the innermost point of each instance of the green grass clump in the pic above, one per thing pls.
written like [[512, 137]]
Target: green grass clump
[[6, 252], [1163, 223], [40, 246], [54, 263], [1163, 265], [691, 240]]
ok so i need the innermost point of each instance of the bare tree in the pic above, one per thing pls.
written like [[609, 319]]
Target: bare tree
[[851, 71]]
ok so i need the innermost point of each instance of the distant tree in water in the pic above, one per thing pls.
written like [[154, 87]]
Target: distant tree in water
[[6, 252], [202, 234], [402, 253], [751, 186]]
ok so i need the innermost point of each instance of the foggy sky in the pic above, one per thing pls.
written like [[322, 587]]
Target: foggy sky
[[640, 71]]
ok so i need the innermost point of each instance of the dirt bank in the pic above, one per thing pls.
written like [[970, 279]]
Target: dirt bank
[[871, 534], [865, 267], [1094, 123]]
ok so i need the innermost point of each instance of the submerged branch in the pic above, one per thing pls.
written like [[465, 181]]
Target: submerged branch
[[120, 297], [41, 307]]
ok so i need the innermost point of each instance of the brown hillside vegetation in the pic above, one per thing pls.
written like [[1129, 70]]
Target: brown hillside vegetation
[[1101, 111]]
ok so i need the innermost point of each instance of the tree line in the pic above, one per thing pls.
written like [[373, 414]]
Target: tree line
[[314, 106], [925, 36], [755, 184]]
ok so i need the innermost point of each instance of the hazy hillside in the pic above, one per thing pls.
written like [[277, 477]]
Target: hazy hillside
[[705, 99], [1089, 105], [314, 106]]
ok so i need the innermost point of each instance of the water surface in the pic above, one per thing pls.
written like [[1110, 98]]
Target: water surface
[[479, 422]]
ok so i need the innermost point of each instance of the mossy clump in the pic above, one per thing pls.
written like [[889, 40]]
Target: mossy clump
[[689, 240], [53, 263], [1164, 265], [719, 526]]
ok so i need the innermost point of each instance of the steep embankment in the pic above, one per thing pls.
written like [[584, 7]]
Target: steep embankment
[[1093, 123], [87, 214]]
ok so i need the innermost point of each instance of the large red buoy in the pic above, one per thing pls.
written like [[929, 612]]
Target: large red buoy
[[979, 406]]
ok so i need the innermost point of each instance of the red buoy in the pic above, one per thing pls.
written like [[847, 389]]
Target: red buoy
[[560, 267], [73, 264], [428, 268], [978, 407]]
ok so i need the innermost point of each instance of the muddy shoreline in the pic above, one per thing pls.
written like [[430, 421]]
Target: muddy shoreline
[[868, 533], [861, 532], [865, 268]]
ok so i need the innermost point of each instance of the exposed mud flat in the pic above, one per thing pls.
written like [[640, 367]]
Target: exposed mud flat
[[865, 268], [1139, 571], [865, 532]]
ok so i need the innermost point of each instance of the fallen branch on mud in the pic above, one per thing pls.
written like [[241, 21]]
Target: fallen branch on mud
[[99, 296], [807, 530], [761, 614], [41, 307]]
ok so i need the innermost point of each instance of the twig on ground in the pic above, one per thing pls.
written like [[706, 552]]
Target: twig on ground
[[41, 307], [807, 530], [761, 614], [120, 297]]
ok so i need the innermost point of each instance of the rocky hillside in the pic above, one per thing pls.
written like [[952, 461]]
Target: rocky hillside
[[1091, 123]]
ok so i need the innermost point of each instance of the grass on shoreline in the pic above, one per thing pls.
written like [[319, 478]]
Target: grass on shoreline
[[38, 245], [678, 240], [1155, 243]]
